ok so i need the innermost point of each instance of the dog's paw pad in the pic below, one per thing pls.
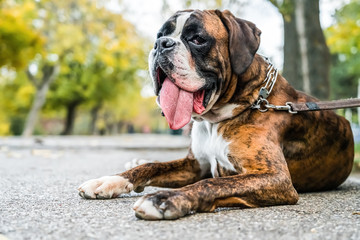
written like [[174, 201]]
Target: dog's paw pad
[[105, 187]]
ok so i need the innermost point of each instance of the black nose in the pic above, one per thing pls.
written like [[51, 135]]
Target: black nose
[[164, 44]]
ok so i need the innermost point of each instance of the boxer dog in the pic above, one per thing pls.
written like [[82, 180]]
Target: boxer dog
[[204, 66]]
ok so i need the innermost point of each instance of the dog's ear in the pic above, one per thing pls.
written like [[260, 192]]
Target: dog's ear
[[244, 40]]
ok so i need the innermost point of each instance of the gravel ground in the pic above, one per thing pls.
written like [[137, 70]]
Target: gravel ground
[[39, 199]]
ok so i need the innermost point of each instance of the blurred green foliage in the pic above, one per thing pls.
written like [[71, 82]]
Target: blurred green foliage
[[18, 41], [103, 59], [101, 56], [343, 39]]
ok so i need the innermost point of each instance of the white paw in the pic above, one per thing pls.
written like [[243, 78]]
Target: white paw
[[105, 187], [136, 162], [162, 205], [145, 209]]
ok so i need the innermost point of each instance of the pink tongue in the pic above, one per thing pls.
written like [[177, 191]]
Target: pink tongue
[[176, 104]]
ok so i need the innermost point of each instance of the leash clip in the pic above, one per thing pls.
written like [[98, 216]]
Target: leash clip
[[263, 105], [290, 110], [287, 107]]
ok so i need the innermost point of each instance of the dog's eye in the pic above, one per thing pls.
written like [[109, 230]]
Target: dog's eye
[[197, 40]]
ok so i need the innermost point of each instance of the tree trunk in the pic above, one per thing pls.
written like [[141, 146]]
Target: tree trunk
[[42, 87], [318, 53], [70, 118], [37, 104], [292, 68], [306, 55], [303, 43], [94, 116]]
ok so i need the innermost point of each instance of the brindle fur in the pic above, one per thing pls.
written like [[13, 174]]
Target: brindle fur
[[275, 154]]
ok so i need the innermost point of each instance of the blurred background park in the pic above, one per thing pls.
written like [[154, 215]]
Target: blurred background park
[[80, 67]]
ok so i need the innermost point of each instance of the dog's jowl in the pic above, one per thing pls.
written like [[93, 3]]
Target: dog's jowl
[[204, 67]]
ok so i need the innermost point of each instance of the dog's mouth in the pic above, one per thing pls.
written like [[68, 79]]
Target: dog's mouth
[[178, 104]]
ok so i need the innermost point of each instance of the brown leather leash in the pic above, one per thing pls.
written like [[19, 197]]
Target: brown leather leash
[[263, 105], [323, 105]]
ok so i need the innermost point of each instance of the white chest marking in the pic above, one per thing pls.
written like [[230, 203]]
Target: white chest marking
[[209, 148]]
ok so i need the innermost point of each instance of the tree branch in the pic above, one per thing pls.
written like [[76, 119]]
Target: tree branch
[[32, 78], [49, 74]]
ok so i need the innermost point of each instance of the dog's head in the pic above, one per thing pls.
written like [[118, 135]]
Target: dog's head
[[194, 56]]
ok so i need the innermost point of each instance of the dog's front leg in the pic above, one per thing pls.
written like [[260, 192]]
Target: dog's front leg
[[251, 190], [176, 173], [264, 182]]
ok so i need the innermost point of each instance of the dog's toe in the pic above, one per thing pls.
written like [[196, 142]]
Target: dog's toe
[[81, 194]]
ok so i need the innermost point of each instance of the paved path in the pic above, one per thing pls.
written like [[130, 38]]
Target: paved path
[[39, 200]]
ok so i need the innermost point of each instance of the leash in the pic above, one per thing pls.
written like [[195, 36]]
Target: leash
[[324, 105], [263, 105]]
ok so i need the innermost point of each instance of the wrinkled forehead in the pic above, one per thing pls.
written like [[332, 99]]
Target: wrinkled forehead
[[192, 20]]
